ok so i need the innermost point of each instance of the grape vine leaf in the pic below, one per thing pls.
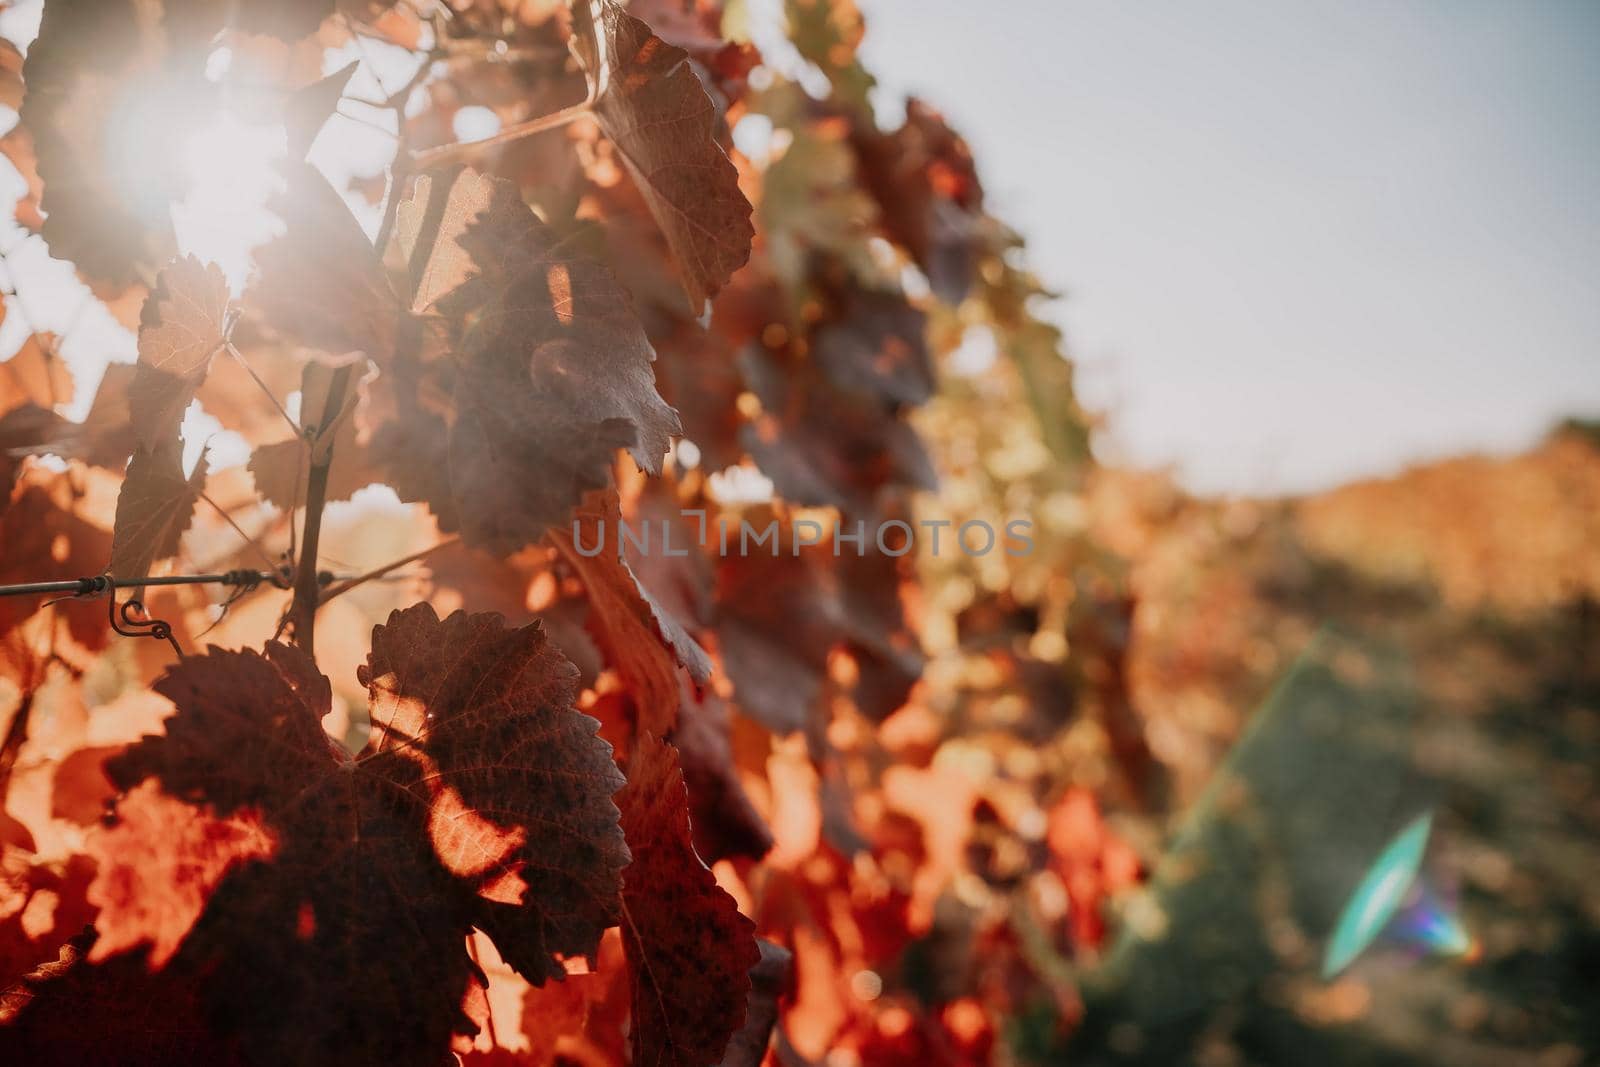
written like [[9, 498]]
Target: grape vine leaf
[[653, 109], [320, 282], [501, 432], [67, 1012], [493, 710], [874, 343], [154, 507], [769, 980], [780, 616], [281, 469], [181, 328], [42, 524], [726, 822], [552, 378], [641, 640], [926, 183], [482, 799], [158, 864], [689, 950], [826, 446], [89, 56]]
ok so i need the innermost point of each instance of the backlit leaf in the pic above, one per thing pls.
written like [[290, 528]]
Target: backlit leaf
[[652, 107]]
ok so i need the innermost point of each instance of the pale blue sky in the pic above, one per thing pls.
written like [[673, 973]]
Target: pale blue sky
[[1301, 242]]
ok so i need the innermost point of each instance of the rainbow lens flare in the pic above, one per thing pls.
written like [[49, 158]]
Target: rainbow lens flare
[[1431, 923], [1378, 897]]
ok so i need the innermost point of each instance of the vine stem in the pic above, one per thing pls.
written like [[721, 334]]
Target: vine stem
[[248, 369], [454, 153], [251, 541], [307, 591], [378, 572]]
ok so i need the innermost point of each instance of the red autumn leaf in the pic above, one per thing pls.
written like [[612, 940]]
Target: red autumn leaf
[[926, 184], [36, 373], [781, 614], [482, 799], [725, 820], [503, 433], [321, 283], [689, 950], [89, 56], [552, 379], [769, 980], [826, 446], [154, 508], [42, 535], [644, 643], [492, 708], [281, 470], [181, 329], [158, 865], [114, 1015], [874, 344], [653, 109]]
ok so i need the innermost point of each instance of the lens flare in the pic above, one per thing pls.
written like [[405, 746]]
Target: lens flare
[[1431, 922], [1378, 897], [1393, 901], [229, 164]]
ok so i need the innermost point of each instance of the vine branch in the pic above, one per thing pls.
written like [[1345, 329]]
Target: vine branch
[[307, 590], [239, 358], [378, 572], [455, 153]]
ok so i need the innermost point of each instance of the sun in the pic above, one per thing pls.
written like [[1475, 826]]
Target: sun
[[231, 171]]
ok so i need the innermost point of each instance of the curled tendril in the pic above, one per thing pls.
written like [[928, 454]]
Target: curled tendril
[[130, 619]]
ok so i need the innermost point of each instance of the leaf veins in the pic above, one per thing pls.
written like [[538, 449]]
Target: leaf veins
[[181, 329], [552, 377], [154, 508], [482, 799], [643, 641], [689, 950], [653, 109]]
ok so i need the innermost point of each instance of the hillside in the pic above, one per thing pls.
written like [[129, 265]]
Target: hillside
[[1463, 592]]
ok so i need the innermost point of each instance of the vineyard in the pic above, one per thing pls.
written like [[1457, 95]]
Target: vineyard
[[542, 533]]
